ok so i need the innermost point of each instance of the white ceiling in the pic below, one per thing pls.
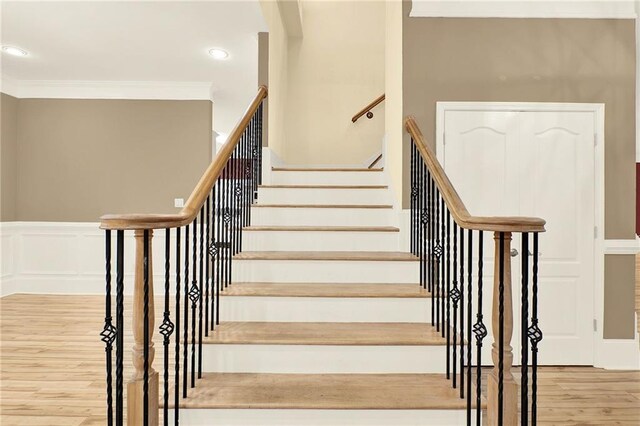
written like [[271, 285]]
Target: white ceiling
[[145, 41]]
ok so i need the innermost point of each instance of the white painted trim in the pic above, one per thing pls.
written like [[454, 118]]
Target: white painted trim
[[74, 89], [617, 354], [599, 188], [630, 246], [584, 9]]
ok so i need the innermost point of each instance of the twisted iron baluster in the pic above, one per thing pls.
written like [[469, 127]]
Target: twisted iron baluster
[[469, 313], [145, 384], [480, 332], [524, 383], [535, 334], [166, 329], [207, 262], [201, 279], [176, 400], [501, 332], [185, 354], [119, 327], [448, 293], [194, 295], [108, 334], [443, 277], [462, 345], [455, 298]]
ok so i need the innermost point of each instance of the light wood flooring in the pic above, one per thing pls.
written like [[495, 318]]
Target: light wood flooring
[[52, 371]]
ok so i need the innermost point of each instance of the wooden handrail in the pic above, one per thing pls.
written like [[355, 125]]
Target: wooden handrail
[[201, 191], [368, 108], [452, 199]]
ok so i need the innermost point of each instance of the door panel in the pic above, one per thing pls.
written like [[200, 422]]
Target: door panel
[[538, 163]]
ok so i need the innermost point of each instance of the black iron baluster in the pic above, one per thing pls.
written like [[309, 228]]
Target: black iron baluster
[[524, 382], [428, 243], [534, 332], [448, 293], [420, 226], [426, 218], [145, 384], [185, 355], [218, 247], [469, 313], [433, 267], [414, 194], [193, 296], [119, 327], [207, 273], [462, 345], [455, 298], [176, 400], [166, 329], [501, 330], [201, 278], [480, 331], [443, 277], [437, 253], [260, 144], [108, 334]]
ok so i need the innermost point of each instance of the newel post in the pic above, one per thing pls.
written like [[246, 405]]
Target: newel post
[[510, 387], [135, 387]]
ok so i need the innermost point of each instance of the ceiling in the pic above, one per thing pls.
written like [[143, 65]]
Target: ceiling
[[141, 41]]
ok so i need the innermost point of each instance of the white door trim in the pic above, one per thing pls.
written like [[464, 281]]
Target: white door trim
[[599, 357]]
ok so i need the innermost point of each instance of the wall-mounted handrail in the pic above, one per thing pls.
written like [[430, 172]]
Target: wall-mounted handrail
[[455, 204], [199, 194], [367, 109]]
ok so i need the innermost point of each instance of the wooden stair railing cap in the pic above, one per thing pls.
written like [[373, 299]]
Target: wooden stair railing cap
[[368, 108], [458, 210], [201, 191]]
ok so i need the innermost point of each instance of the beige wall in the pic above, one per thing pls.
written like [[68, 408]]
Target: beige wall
[[8, 157], [538, 60], [322, 79], [263, 80], [278, 51], [79, 159]]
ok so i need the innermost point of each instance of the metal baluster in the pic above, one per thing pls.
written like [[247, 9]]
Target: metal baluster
[[211, 241], [429, 244], [448, 293], [176, 400], [108, 334], [227, 224], [218, 250], [145, 386], [426, 218], [119, 327], [166, 329], [501, 332], [207, 272], [524, 382], [414, 194], [462, 345], [469, 311], [535, 334], [432, 244], [443, 277], [437, 252], [480, 331], [260, 144], [201, 241], [185, 355], [193, 296], [455, 298], [420, 226]]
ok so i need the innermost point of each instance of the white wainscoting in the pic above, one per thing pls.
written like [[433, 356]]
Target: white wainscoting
[[56, 257]]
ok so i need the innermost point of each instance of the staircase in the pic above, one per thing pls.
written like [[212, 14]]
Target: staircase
[[325, 322]]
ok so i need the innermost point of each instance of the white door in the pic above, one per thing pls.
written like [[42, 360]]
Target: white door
[[535, 163]]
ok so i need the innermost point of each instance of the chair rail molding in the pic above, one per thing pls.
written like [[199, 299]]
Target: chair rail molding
[[625, 246]]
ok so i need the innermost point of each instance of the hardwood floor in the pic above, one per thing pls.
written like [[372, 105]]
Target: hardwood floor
[[52, 371]]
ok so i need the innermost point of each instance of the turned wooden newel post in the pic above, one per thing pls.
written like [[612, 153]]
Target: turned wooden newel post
[[510, 387], [135, 387]]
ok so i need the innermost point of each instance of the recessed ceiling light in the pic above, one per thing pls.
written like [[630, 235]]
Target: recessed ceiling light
[[14, 51], [218, 54]]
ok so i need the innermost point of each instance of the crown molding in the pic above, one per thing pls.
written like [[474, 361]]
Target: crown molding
[[75, 89], [575, 9]]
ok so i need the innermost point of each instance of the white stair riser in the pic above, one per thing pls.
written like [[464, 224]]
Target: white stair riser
[[288, 216], [267, 417], [323, 359], [325, 309], [323, 196], [327, 271], [327, 178], [320, 241]]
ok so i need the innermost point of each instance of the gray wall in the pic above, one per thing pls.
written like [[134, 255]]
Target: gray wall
[[538, 60], [8, 156], [79, 159]]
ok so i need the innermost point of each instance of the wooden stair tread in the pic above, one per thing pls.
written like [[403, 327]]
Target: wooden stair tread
[[325, 206], [324, 392], [324, 228], [326, 333], [328, 255], [324, 169], [326, 290], [325, 186]]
